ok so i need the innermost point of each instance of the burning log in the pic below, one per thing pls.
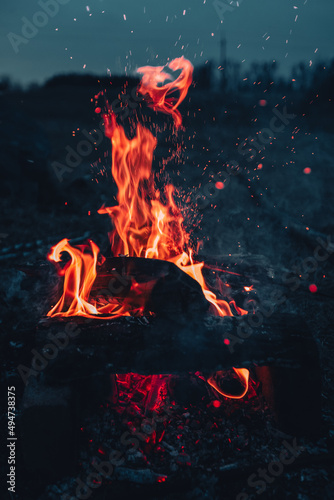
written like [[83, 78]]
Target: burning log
[[156, 345], [281, 351], [144, 314], [165, 289]]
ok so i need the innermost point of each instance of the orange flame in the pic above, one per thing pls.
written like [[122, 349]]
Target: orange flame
[[74, 301], [79, 276], [243, 375], [161, 99], [147, 222], [145, 225]]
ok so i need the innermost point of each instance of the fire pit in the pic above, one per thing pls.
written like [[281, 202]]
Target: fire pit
[[137, 336], [170, 356]]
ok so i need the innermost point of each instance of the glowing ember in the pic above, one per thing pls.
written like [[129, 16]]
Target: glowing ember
[[147, 221]]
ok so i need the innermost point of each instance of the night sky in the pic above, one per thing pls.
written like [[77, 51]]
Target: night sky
[[98, 36]]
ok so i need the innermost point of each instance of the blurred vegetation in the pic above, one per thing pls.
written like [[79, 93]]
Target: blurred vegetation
[[230, 79]]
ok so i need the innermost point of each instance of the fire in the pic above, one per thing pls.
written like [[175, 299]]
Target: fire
[[79, 276], [147, 221], [243, 375], [74, 301], [161, 95]]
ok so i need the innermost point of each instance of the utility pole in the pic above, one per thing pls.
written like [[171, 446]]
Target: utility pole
[[223, 61]]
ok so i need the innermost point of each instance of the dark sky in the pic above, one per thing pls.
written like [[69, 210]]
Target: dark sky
[[120, 35]]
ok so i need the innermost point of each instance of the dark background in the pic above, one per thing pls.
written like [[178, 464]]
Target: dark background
[[95, 34], [273, 207]]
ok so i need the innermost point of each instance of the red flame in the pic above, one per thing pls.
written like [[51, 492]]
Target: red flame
[[147, 221], [152, 83]]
